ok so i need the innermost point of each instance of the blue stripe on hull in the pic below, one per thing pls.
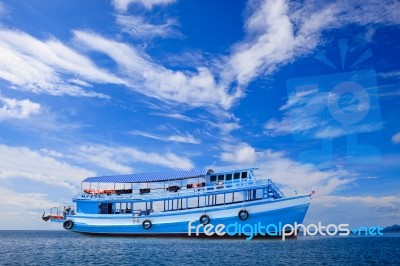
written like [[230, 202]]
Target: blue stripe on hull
[[283, 216]]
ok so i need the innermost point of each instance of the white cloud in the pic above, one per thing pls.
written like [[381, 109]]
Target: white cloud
[[119, 159], [52, 153], [122, 5], [17, 109], [299, 176], [175, 116], [310, 113], [169, 159], [184, 139], [391, 90], [47, 66], [375, 202], [369, 12], [22, 162], [225, 128], [280, 31], [274, 127], [273, 41], [239, 155], [79, 82], [197, 88], [391, 74], [139, 28], [104, 157], [331, 132], [302, 112], [355, 210], [277, 33], [25, 200], [396, 138], [174, 138], [20, 208], [290, 174]]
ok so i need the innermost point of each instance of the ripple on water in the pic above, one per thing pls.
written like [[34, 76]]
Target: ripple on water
[[64, 248]]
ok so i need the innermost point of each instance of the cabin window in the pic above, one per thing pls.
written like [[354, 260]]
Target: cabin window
[[174, 204], [244, 175], [201, 201], [139, 205], [183, 204], [213, 178], [141, 208], [106, 208], [192, 203], [220, 177], [123, 207], [259, 194], [228, 198], [229, 177], [219, 199], [239, 197], [236, 176], [157, 206]]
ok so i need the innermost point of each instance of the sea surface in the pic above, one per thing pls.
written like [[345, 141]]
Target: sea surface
[[67, 248]]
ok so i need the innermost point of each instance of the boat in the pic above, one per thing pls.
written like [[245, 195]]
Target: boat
[[179, 203]]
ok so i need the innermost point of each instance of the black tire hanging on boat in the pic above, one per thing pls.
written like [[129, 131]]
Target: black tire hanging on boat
[[68, 224], [204, 219], [243, 215], [146, 224]]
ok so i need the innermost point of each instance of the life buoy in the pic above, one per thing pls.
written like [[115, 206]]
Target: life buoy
[[243, 215], [68, 224], [146, 224], [204, 219]]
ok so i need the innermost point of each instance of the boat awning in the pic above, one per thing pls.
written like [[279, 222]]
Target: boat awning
[[148, 177]]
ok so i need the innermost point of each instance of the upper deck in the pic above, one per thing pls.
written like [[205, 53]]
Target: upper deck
[[172, 184]]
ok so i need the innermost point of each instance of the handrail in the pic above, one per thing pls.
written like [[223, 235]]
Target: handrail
[[62, 210], [216, 187], [275, 190]]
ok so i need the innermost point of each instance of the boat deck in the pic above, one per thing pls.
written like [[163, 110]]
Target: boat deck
[[183, 192]]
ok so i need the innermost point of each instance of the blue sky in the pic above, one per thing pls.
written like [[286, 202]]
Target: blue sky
[[308, 91]]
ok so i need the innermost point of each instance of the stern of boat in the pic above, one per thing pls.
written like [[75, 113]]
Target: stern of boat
[[59, 214]]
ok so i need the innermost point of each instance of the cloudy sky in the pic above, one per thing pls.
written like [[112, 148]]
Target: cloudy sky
[[308, 91]]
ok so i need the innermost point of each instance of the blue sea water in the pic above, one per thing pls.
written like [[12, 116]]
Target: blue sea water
[[66, 248]]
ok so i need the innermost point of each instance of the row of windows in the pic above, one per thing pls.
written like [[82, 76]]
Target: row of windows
[[145, 208], [228, 177]]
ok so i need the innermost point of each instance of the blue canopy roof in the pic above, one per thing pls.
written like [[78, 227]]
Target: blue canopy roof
[[148, 177]]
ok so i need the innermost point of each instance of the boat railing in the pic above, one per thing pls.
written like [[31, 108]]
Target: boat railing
[[59, 213], [187, 192], [62, 210]]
